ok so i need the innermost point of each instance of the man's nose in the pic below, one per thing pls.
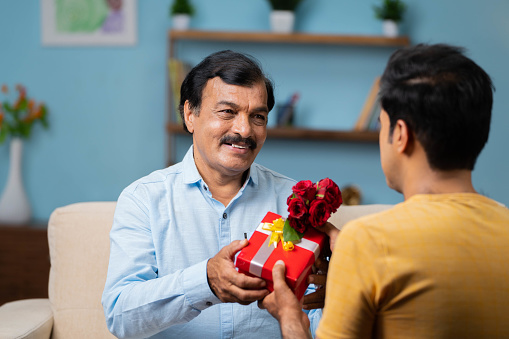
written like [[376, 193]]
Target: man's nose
[[242, 125]]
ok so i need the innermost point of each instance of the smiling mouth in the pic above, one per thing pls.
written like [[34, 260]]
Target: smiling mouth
[[238, 146], [237, 142]]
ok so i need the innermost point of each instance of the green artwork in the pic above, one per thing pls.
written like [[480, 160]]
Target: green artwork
[[75, 16]]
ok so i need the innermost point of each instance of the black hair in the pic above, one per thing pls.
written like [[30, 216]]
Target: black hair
[[444, 98], [232, 67]]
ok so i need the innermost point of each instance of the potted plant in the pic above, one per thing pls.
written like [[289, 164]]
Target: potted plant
[[282, 17], [16, 122], [181, 12], [391, 13]]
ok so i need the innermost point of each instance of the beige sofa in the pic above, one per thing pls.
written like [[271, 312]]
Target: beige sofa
[[78, 237]]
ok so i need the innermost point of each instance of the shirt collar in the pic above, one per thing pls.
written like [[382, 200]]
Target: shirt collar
[[191, 174]]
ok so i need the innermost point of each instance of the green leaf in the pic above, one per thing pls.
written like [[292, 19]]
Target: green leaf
[[182, 7], [3, 135], [44, 122], [390, 10], [44, 117], [289, 5], [7, 107], [290, 234], [24, 129], [23, 104]]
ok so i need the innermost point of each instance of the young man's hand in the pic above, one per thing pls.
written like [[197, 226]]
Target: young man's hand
[[283, 305]]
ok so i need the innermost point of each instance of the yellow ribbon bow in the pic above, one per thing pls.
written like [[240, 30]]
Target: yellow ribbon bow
[[276, 227]]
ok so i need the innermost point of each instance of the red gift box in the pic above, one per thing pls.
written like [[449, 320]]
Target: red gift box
[[258, 258]]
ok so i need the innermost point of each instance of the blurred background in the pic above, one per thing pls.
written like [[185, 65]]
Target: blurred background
[[108, 105]]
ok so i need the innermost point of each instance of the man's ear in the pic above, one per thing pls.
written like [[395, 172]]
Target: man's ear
[[402, 137], [189, 117]]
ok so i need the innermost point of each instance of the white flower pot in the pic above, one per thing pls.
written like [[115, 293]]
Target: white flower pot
[[14, 204], [181, 22], [390, 28], [282, 21]]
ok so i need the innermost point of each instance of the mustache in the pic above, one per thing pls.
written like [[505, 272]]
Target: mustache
[[236, 139]]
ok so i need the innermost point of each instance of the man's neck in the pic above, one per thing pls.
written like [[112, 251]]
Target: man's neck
[[428, 181], [224, 188]]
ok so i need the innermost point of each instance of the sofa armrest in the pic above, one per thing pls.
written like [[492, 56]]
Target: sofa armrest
[[30, 318]]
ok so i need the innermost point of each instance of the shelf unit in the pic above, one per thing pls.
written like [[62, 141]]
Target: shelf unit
[[173, 128], [301, 133], [293, 38]]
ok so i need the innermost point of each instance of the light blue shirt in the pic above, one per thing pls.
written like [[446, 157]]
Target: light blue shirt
[[166, 227]]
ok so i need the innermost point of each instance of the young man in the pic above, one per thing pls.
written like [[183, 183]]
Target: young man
[[176, 231], [434, 266]]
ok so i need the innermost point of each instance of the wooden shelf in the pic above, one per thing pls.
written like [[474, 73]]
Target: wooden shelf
[[303, 133], [292, 38]]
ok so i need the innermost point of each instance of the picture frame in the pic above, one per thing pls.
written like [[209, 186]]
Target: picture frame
[[89, 22]]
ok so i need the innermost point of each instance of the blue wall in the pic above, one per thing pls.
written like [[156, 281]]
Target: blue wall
[[108, 104]]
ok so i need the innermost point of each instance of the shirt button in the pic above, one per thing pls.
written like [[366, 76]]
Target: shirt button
[[208, 303], [225, 215], [204, 187]]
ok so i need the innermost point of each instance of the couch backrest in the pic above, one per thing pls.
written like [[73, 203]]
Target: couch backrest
[[78, 237]]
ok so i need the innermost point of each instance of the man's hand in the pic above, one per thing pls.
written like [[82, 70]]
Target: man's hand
[[317, 299], [332, 231], [283, 305], [228, 284]]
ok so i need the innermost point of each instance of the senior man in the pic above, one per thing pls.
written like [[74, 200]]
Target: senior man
[[176, 231]]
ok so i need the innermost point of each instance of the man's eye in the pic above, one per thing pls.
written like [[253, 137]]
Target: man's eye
[[229, 111], [260, 119]]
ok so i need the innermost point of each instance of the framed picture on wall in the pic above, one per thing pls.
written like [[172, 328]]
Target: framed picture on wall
[[88, 22]]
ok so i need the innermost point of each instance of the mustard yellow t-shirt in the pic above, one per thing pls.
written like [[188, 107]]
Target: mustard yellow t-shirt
[[434, 266]]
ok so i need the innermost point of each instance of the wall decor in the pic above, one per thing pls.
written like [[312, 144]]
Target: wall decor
[[88, 22]]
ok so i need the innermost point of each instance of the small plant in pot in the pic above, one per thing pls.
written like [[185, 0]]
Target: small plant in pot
[[282, 17], [181, 12], [391, 13]]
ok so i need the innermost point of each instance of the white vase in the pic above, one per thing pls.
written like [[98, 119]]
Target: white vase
[[390, 28], [14, 204], [181, 22], [282, 21]]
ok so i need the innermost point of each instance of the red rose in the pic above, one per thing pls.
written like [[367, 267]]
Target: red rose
[[319, 212], [297, 208], [292, 196], [305, 189], [300, 225], [330, 192]]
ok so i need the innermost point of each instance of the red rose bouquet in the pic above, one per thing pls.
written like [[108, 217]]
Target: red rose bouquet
[[310, 204]]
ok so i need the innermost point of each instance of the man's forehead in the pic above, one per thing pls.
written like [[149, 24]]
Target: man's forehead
[[218, 88]]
